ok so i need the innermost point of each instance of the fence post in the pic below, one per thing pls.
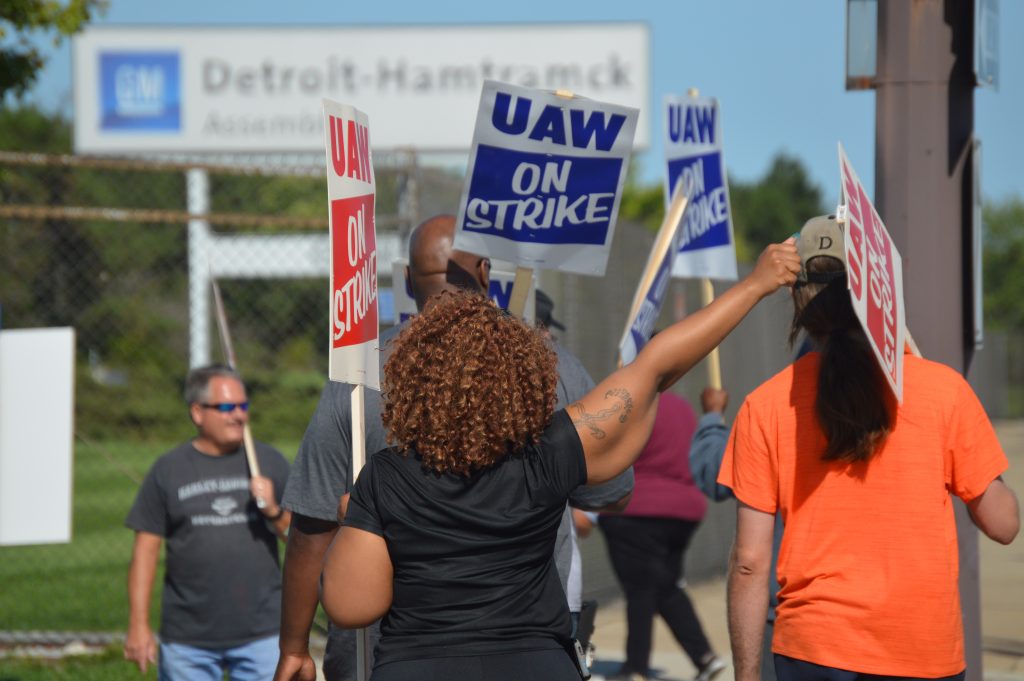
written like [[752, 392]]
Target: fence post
[[198, 187]]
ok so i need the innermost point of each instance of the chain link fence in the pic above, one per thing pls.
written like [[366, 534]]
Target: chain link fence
[[104, 246], [122, 251]]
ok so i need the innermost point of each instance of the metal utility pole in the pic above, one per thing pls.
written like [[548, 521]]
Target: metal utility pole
[[924, 110]]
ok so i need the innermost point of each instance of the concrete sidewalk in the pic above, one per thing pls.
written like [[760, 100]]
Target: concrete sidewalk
[[1002, 604], [668, 660]]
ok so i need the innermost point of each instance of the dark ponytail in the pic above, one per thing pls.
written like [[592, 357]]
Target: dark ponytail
[[853, 405]]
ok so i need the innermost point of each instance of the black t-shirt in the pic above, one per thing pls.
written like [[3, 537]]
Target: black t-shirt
[[222, 584], [474, 569]]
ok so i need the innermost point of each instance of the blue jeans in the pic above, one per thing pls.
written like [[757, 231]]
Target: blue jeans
[[253, 661]]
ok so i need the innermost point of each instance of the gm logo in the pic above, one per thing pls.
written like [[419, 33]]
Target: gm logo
[[140, 91]]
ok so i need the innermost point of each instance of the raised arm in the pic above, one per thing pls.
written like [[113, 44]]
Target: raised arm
[[615, 419]]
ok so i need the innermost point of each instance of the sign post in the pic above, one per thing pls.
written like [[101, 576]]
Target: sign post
[[545, 178], [229, 354], [694, 157], [353, 352], [874, 276]]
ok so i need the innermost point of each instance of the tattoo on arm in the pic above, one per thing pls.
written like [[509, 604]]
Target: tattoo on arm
[[627, 402], [622, 407]]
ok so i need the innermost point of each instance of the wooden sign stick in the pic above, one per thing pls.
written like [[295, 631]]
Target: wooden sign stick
[[707, 291], [520, 291], [914, 350], [229, 353], [358, 461]]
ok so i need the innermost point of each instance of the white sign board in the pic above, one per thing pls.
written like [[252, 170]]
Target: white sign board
[[500, 290], [351, 192], [545, 178], [693, 154], [232, 89], [874, 275], [37, 402]]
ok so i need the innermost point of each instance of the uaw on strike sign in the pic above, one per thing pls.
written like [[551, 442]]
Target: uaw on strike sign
[[544, 179], [350, 193], [874, 275], [694, 156]]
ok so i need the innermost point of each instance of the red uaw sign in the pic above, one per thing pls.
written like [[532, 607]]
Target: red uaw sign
[[354, 272], [351, 191], [874, 276]]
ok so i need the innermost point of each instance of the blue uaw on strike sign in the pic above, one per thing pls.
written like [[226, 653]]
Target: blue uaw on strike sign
[[545, 178], [693, 154]]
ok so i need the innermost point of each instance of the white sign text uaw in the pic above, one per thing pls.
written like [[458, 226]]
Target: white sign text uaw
[[694, 156], [351, 191], [875, 277], [545, 178]]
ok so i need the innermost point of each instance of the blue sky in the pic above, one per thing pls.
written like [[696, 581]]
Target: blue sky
[[776, 68]]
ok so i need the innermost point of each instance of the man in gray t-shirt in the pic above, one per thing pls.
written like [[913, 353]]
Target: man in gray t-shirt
[[222, 583], [322, 474]]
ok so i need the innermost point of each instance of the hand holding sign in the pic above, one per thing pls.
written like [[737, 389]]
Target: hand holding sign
[[777, 266]]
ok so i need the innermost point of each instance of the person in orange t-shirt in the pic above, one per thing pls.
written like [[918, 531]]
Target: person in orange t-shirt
[[868, 564]]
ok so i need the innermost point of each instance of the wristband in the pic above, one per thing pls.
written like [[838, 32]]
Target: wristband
[[276, 516]]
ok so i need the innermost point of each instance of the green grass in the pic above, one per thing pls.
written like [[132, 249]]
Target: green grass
[[81, 586], [109, 665]]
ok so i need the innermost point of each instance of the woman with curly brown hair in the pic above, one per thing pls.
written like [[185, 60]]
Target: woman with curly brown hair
[[449, 534]]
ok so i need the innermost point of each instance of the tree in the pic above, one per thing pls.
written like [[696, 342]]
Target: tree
[[21, 22], [774, 207], [1004, 264], [763, 212]]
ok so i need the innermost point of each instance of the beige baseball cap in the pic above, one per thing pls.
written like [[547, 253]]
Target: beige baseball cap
[[820, 236]]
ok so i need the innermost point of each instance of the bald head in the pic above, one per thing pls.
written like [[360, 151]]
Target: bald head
[[435, 266]]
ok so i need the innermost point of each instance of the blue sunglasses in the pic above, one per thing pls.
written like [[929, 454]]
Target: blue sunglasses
[[226, 407]]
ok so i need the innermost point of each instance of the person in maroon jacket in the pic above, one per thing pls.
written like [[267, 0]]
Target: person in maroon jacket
[[647, 543]]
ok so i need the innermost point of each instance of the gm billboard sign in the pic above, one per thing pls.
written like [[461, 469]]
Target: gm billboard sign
[[545, 177], [140, 91], [221, 90], [693, 155]]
